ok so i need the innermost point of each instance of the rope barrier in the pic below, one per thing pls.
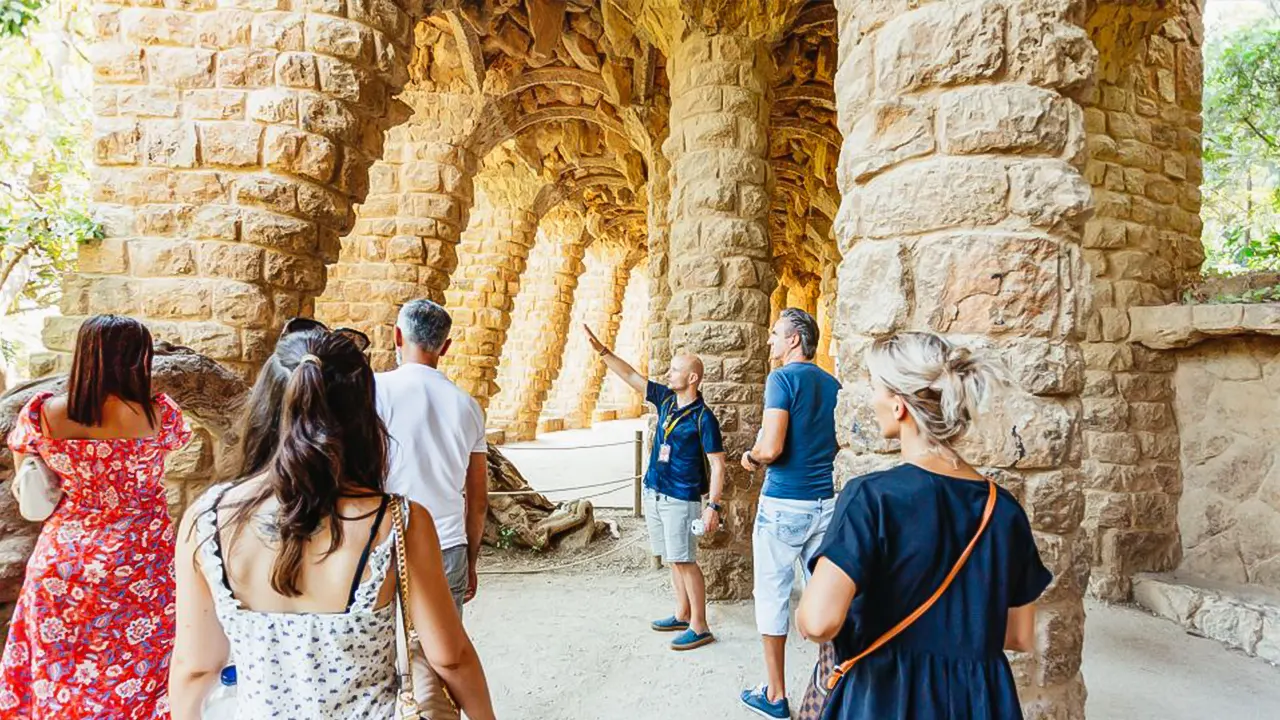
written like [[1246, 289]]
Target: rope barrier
[[531, 491], [504, 448], [553, 568]]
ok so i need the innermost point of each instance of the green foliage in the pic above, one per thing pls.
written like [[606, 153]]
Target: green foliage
[[44, 110], [506, 537], [1241, 187], [17, 15]]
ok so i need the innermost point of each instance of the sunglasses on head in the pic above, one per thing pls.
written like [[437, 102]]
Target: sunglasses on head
[[303, 324]]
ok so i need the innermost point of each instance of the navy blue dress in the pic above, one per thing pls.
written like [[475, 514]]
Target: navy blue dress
[[896, 534]]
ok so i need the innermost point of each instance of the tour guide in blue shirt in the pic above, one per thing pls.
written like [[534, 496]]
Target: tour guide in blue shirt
[[797, 442], [675, 483]]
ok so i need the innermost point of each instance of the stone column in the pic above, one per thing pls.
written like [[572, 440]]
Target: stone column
[[617, 396], [721, 274], [590, 306], [610, 323], [777, 301], [825, 317], [659, 221], [1142, 119], [229, 145], [977, 237], [491, 259], [803, 294], [404, 242], [597, 303], [534, 349]]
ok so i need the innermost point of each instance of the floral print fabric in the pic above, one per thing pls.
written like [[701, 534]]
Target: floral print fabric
[[94, 623]]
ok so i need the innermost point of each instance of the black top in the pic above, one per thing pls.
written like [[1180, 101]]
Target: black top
[[896, 534]]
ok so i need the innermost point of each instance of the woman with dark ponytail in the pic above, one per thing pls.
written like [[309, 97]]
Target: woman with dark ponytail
[[289, 570]]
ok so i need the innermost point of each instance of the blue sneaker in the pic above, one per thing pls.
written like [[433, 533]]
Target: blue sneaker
[[669, 624], [757, 701], [688, 640]]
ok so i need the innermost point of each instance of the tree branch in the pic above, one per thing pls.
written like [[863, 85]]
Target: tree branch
[[1261, 135], [13, 261]]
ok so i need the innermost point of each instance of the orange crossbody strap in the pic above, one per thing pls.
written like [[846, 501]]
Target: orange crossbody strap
[[847, 665]]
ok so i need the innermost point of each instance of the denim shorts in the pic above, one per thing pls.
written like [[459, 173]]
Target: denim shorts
[[669, 520], [785, 531]]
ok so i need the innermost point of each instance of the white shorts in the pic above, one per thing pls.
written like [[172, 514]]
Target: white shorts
[[785, 531], [669, 521]]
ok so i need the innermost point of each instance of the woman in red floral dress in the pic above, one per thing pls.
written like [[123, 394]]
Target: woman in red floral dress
[[93, 627]]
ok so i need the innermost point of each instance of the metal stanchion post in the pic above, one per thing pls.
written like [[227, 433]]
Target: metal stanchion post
[[639, 467]]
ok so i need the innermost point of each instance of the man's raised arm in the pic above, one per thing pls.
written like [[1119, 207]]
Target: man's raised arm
[[619, 366]]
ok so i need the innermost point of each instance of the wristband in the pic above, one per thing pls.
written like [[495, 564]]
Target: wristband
[[754, 462], [715, 506]]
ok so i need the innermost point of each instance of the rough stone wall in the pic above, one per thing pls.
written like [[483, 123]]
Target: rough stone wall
[[1143, 124], [617, 396], [492, 256], [962, 212], [1228, 411], [721, 274], [229, 145], [534, 351], [404, 242]]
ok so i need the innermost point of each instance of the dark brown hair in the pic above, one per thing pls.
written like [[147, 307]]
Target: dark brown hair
[[113, 357], [331, 443]]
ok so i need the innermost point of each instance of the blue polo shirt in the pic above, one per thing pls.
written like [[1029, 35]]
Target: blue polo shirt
[[694, 434], [804, 469]]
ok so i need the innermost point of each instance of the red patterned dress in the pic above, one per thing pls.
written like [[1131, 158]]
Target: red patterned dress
[[93, 627]]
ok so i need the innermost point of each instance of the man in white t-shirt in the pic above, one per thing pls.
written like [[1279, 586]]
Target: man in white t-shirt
[[438, 452]]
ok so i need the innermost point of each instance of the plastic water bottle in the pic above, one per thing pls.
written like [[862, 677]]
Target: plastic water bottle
[[697, 527], [221, 703]]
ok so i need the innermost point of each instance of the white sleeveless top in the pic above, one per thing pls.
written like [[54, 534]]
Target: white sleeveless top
[[306, 666]]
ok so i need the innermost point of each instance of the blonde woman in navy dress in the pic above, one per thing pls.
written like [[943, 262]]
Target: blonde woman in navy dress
[[893, 539]]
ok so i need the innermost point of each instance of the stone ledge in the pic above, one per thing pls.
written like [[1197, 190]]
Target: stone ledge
[[1243, 617], [1165, 327]]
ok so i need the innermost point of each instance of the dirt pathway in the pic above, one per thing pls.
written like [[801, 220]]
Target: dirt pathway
[[576, 646]]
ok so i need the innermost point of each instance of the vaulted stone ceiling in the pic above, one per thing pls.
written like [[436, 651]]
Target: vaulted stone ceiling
[[805, 145], [579, 88], [581, 101]]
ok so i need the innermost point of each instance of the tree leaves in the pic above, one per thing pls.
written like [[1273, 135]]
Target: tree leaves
[[1241, 150]]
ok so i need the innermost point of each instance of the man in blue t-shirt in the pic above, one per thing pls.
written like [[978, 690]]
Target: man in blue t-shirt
[[686, 463], [797, 446]]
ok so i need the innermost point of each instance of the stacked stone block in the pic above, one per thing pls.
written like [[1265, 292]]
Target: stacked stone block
[[492, 256], [962, 213], [404, 244], [720, 268], [229, 144], [535, 347], [1143, 125]]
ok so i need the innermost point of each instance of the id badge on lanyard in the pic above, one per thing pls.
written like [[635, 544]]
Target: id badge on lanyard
[[664, 450]]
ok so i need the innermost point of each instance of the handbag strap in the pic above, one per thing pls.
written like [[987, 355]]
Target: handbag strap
[[408, 635], [896, 630]]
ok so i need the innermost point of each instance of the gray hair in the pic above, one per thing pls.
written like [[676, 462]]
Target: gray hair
[[943, 385], [803, 324], [425, 324]]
